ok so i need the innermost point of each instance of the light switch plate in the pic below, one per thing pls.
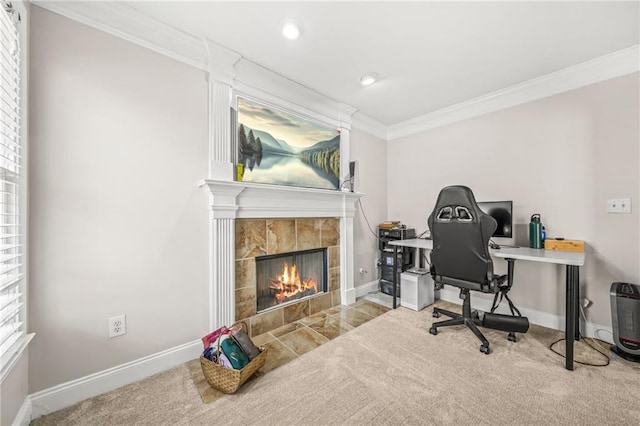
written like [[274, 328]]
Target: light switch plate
[[619, 205]]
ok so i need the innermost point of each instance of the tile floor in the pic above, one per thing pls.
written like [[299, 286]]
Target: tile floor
[[292, 340]]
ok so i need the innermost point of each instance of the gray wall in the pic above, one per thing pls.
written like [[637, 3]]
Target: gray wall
[[118, 224], [370, 153], [562, 157]]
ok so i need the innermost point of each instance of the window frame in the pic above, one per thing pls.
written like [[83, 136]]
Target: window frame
[[14, 353]]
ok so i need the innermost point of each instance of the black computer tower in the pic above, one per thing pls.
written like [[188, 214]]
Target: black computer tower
[[405, 256], [625, 314]]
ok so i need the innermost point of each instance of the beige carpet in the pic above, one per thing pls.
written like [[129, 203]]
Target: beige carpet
[[390, 371]]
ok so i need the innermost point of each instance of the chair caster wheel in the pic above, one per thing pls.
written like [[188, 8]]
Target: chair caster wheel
[[512, 337], [435, 314], [433, 331], [484, 349]]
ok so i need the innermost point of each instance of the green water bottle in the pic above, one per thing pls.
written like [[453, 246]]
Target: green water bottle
[[535, 232]]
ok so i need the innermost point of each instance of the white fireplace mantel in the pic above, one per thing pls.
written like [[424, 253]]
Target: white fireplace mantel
[[229, 200]]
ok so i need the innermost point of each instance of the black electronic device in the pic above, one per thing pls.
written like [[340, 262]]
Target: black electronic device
[[502, 212], [625, 315], [352, 174], [385, 235], [404, 259]]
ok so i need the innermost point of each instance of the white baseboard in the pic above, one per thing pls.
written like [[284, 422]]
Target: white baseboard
[[544, 319], [364, 289], [24, 415], [63, 395]]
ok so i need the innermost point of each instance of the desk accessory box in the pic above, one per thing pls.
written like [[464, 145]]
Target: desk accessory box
[[564, 245]]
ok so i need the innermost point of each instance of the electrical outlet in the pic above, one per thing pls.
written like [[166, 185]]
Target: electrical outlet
[[362, 271], [619, 205], [117, 326]]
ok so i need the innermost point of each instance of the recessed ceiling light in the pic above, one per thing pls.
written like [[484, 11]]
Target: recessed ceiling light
[[291, 30], [369, 78]]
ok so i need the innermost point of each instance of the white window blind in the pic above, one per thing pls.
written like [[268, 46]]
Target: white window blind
[[12, 241]]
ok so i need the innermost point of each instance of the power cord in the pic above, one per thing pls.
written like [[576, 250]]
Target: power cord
[[594, 340], [376, 235], [602, 329], [367, 220], [586, 341], [420, 235]]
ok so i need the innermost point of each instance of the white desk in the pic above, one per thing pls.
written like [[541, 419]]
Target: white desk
[[571, 260]]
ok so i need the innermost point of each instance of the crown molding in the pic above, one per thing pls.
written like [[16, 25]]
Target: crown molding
[[369, 125], [606, 67], [120, 20], [125, 22]]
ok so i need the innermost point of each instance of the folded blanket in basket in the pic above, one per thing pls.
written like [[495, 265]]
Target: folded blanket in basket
[[231, 349]]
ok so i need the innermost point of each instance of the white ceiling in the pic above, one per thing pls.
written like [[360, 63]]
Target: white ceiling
[[429, 55]]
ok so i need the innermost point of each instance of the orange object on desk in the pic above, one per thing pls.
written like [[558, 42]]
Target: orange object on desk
[[564, 245]]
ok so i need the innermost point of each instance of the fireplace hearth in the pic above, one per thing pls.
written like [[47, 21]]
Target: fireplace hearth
[[290, 277]]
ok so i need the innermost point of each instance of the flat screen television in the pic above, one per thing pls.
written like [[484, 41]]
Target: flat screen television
[[502, 212]]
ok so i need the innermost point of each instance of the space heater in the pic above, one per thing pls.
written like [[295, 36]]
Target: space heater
[[625, 313]]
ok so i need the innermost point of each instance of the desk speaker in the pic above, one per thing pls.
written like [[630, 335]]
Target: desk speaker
[[625, 313]]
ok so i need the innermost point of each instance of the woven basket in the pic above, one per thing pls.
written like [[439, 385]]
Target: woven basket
[[228, 380]]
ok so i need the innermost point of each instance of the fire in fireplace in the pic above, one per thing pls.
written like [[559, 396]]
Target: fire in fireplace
[[288, 277]]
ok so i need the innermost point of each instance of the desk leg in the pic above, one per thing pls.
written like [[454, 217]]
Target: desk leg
[[571, 319], [395, 275], [576, 298]]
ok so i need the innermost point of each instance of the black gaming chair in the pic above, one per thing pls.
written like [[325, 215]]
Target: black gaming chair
[[460, 258]]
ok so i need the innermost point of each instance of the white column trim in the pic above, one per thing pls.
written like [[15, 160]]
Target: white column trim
[[220, 158], [222, 273], [223, 210], [347, 270]]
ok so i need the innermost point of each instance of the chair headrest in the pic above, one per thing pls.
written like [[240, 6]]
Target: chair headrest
[[458, 203]]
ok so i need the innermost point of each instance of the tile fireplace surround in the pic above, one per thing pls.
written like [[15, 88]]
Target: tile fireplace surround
[[248, 220], [259, 237]]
